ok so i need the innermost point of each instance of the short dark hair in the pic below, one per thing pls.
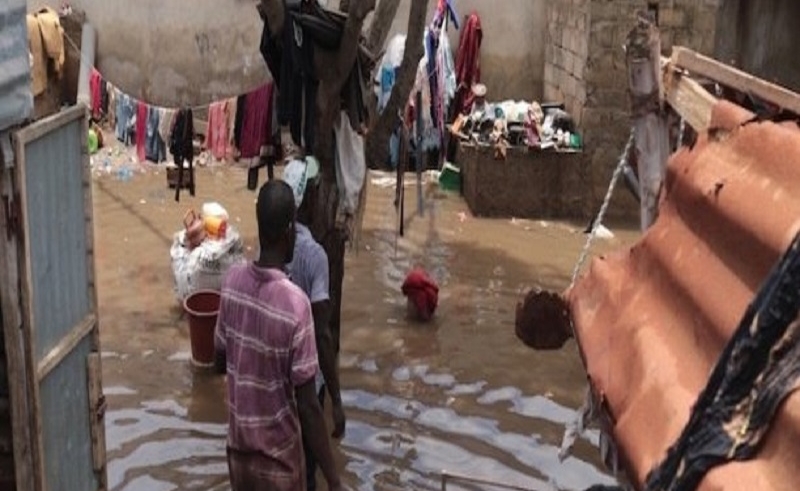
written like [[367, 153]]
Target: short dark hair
[[275, 211]]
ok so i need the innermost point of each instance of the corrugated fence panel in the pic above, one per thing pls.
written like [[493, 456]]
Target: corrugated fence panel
[[16, 101], [57, 235], [65, 428], [653, 320]]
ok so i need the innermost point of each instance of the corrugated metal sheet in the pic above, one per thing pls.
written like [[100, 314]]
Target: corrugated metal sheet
[[55, 187], [56, 215], [66, 434], [16, 100], [652, 320]]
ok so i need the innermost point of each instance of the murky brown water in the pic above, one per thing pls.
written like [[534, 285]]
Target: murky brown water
[[459, 395]]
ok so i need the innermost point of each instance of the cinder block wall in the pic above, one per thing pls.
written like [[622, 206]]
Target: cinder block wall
[[585, 68]]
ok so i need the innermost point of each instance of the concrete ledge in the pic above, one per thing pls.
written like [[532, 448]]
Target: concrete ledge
[[528, 184]]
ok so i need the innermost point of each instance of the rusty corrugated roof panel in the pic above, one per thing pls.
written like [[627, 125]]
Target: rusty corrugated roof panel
[[652, 320]]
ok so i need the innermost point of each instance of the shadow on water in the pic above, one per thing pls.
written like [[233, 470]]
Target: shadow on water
[[460, 394]]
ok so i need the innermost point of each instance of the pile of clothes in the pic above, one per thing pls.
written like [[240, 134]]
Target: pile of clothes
[[516, 124]]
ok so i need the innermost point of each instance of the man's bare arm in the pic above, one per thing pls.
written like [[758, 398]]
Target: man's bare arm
[[315, 435]]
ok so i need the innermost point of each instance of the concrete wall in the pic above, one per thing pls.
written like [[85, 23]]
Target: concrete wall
[[554, 183], [176, 52], [193, 51], [512, 54], [761, 37], [567, 52], [585, 68]]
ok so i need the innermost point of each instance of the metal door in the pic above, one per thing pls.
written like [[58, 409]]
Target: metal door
[[60, 334]]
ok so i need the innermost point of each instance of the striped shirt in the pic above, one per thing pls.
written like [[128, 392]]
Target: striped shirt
[[266, 329]]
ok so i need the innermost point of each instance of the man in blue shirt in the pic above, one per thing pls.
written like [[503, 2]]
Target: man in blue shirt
[[309, 271]]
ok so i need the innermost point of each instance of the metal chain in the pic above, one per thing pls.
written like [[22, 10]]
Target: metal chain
[[623, 160]]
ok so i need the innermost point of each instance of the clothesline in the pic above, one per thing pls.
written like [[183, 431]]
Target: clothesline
[[199, 107]]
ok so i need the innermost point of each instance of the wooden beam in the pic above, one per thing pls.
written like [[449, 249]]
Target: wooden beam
[[97, 411], [735, 79], [689, 99], [50, 123], [646, 91], [15, 353], [21, 139], [65, 346]]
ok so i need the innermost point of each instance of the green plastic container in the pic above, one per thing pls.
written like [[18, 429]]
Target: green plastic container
[[450, 178], [93, 142]]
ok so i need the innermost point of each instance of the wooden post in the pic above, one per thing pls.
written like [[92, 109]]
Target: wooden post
[[643, 56]]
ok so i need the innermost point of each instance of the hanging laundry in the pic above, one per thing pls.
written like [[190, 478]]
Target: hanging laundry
[[104, 98], [38, 55], [46, 39], [298, 92], [155, 148], [426, 130], [112, 106], [351, 165], [387, 74], [272, 53], [165, 121], [141, 130], [181, 145], [53, 37], [217, 130], [126, 115], [241, 103], [353, 95], [95, 93], [256, 119], [468, 68], [232, 107], [447, 81]]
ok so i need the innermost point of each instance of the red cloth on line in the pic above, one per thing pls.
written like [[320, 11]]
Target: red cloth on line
[[257, 121], [217, 131], [141, 130], [95, 93], [468, 63], [422, 290]]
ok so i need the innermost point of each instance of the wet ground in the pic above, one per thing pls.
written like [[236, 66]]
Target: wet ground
[[460, 395]]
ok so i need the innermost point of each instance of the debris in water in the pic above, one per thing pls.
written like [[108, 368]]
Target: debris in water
[[142, 202], [180, 356], [462, 217]]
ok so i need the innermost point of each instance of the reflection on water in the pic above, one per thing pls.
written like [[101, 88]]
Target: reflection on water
[[458, 395], [392, 442]]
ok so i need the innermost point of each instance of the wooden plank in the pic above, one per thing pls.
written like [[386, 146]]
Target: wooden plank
[[88, 208], [736, 79], [64, 347], [26, 293], [97, 414], [691, 101], [15, 358], [47, 125], [650, 129]]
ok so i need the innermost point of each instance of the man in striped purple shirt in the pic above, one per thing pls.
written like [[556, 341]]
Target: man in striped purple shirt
[[265, 341]]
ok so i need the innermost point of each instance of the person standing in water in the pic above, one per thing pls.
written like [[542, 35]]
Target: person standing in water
[[309, 270], [265, 342]]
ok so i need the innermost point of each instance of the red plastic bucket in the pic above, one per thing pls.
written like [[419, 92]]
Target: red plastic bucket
[[202, 308]]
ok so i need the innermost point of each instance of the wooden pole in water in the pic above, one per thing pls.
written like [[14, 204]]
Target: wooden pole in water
[[420, 156], [643, 56]]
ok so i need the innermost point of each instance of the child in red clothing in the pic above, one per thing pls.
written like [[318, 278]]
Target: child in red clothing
[[422, 293]]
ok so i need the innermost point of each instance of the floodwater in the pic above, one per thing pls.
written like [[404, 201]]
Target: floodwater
[[460, 395]]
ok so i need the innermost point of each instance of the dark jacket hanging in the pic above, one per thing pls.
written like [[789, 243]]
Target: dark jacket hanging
[[181, 146]]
